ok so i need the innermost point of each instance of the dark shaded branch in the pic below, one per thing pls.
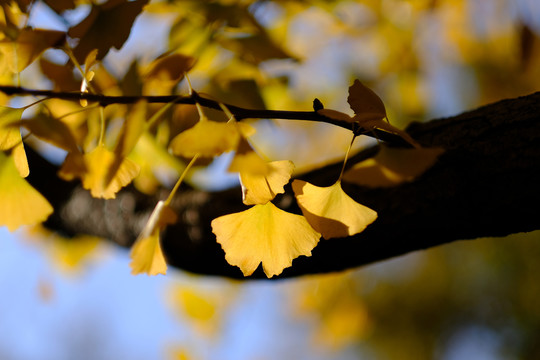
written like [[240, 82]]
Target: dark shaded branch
[[486, 184]]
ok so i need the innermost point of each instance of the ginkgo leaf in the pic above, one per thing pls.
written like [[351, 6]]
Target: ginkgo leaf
[[392, 166], [154, 160], [94, 171], [259, 189], [74, 166], [107, 25], [170, 67], [369, 112], [331, 211], [21, 162], [207, 138], [264, 234], [247, 161], [97, 180], [132, 130], [28, 45], [21, 204], [51, 130], [146, 254], [365, 103], [10, 137]]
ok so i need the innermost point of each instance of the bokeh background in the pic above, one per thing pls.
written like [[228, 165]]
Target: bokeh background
[[479, 299]]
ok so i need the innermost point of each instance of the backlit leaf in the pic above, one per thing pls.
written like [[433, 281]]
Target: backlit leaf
[[165, 72], [259, 189], [146, 254], [107, 25], [98, 180], [264, 234], [369, 112], [94, 171], [28, 45], [10, 138], [247, 161], [21, 162], [51, 130], [207, 138], [21, 204], [392, 166], [132, 130], [331, 211], [365, 103]]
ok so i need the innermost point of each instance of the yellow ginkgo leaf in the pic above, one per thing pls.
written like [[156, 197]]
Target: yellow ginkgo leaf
[[264, 234], [28, 45], [94, 169], [207, 138], [10, 137], [195, 305], [97, 179], [331, 211], [132, 130], [20, 203], [247, 161], [21, 162], [146, 254], [259, 189], [53, 131], [392, 166]]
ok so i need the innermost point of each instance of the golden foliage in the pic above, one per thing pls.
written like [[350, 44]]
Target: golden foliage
[[392, 166], [259, 189], [264, 234], [11, 139], [146, 254], [21, 204], [331, 211]]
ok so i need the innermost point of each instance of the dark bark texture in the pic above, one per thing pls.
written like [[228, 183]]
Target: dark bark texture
[[484, 185]]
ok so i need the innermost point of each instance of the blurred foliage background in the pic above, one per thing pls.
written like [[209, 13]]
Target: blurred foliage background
[[430, 58]]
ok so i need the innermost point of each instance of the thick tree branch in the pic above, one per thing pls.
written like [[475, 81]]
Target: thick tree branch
[[485, 184]]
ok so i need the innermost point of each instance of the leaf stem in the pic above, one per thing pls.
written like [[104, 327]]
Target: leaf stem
[[158, 114], [346, 157], [101, 140], [180, 179]]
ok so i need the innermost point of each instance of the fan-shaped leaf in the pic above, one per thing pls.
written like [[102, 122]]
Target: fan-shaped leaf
[[264, 234], [331, 211], [21, 204], [259, 189]]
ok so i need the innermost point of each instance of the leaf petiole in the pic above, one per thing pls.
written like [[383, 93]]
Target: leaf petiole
[[180, 179]]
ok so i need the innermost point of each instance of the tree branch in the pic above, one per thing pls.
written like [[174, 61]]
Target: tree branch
[[239, 112], [485, 184]]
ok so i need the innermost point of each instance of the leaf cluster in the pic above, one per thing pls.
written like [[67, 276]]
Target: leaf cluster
[[109, 146]]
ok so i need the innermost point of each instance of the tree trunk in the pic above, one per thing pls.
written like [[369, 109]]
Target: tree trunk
[[485, 184]]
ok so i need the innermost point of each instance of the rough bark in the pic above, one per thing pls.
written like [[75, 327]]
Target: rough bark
[[485, 184]]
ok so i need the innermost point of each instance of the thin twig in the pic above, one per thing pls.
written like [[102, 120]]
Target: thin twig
[[238, 112]]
